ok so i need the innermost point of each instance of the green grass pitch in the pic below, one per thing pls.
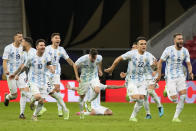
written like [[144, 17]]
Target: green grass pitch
[[117, 122]]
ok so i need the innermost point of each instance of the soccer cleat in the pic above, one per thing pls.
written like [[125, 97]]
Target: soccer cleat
[[22, 116], [66, 115], [42, 111], [161, 111], [176, 120], [81, 115], [165, 92], [34, 118], [6, 101], [133, 119], [60, 113], [89, 109], [148, 116]]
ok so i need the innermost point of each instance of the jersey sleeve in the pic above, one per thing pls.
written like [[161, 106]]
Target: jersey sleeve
[[165, 54], [187, 56], [64, 54], [99, 58], [6, 53], [151, 59], [80, 61], [127, 56]]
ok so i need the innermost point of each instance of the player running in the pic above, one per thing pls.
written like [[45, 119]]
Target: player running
[[176, 80]]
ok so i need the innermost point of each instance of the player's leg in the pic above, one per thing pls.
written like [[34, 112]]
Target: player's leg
[[181, 88], [147, 108], [153, 94], [13, 91]]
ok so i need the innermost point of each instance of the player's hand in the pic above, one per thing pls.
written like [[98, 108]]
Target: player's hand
[[109, 70], [16, 77], [11, 76], [7, 73], [191, 75], [100, 73], [154, 73], [123, 75]]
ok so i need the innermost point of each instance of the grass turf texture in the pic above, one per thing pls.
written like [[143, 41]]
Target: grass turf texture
[[9, 120]]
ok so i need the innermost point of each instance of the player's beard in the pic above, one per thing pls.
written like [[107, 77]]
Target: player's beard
[[178, 45]]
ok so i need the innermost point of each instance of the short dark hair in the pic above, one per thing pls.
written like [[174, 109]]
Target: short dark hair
[[54, 34], [38, 41], [17, 33], [28, 40], [176, 34], [141, 38], [93, 52]]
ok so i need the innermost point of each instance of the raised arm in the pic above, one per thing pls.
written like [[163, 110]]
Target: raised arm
[[115, 63]]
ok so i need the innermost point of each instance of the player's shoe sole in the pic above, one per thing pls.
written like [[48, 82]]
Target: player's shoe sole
[[6, 102]]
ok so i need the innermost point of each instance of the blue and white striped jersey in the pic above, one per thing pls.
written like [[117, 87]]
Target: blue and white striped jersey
[[137, 64], [89, 70], [174, 61], [55, 55], [14, 57], [38, 69]]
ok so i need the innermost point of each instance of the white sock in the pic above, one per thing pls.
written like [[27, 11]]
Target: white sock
[[154, 95], [10, 97], [38, 109], [22, 102], [180, 106], [60, 101], [146, 105], [137, 107], [58, 104], [81, 105]]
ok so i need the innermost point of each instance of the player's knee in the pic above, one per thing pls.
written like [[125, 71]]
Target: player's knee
[[41, 101], [142, 97], [93, 112], [183, 92], [136, 97]]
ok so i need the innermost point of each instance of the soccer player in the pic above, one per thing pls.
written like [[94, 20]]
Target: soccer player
[[12, 59], [90, 66], [138, 60], [27, 51], [56, 52], [97, 108], [174, 56]]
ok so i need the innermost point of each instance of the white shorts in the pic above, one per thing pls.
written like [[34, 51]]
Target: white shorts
[[56, 79], [175, 85], [100, 110], [14, 84], [35, 89], [136, 88], [84, 86]]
